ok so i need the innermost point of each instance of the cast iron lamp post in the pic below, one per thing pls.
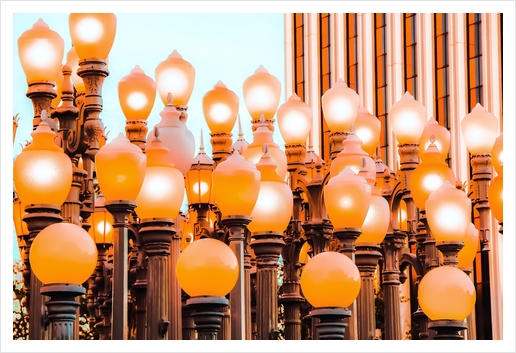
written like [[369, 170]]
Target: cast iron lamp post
[[62, 257], [207, 270], [330, 282]]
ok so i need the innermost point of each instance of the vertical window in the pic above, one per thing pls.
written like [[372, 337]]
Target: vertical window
[[500, 29], [299, 76], [409, 43], [324, 77], [380, 64], [441, 64], [475, 95], [351, 50]]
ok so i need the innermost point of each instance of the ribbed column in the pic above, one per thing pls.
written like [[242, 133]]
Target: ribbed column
[[237, 243], [247, 294], [120, 209], [347, 238], [331, 325], [391, 284], [37, 218], [366, 259], [62, 309], [267, 248], [156, 235], [175, 316], [293, 318], [140, 289], [188, 328]]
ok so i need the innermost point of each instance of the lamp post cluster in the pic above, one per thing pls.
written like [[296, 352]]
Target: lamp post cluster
[[107, 215]]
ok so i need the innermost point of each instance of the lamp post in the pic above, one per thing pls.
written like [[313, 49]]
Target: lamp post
[[62, 266], [120, 172], [270, 217], [243, 179], [330, 282], [207, 270], [159, 201]]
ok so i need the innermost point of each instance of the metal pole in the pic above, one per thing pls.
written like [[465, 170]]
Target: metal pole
[[237, 243], [120, 209], [267, 248]]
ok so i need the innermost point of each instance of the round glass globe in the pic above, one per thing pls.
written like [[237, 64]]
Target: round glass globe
[[207, 267], [330, 279], [446, 293], [63, 253]]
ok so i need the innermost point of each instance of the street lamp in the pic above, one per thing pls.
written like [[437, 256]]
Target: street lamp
[[330, 282], [367, 129], [207, 270], [62, 257]]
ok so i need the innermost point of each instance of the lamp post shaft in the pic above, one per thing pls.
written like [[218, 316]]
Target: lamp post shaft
[[207, 320], [247, 296], [366, 258], [237, 243], [347, 238], [37, 218], [175, 317], [267, 248], [392, 245], [41, 93], [157, 235], [120, 211]]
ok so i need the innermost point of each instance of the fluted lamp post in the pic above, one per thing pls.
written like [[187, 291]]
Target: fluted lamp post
[[330, 282], [480, 129], [120, 172], [368, 254], [236, 185], [62, 257], [270, 217], [207, 270], [220, 107], [101, 231], [347, 198], [136, 93], [36, 171], [159, 202], [340, 107]]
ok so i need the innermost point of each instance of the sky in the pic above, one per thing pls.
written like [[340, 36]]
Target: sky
[[227, 41]]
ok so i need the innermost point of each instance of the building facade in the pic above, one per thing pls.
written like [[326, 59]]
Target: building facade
[[448, 62]]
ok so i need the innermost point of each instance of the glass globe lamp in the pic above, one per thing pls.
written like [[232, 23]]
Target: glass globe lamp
[[176, 76], [407, 118], [480, 130], [199, 178], [367, 129], [262, 94], [207, 267], [448, 212], [441, 138], [330, 279], [340, 106], [236, 185], [497, 154], [495, 192], [43, 172], [446, 293], [120, 169], [294, 121], [274, 205], [468, 253], [347, 198], [92, 34], [220, 108], [41, 52], [429, 175], [352, 156], [102, 221], [63, 253], [162, 191], [136, 93]]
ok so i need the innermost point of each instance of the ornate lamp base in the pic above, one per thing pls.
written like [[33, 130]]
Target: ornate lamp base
[[330, 326], [447, 329], [207, 321]]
